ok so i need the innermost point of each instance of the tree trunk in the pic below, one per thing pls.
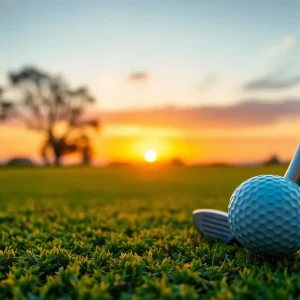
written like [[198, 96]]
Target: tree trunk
[[57, 160], [86, 156], [56, 148]]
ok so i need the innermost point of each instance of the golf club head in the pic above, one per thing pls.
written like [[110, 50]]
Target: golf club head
[[213, 224]]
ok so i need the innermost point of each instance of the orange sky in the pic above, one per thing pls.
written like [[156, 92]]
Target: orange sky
[[200, 80], [126, 139]]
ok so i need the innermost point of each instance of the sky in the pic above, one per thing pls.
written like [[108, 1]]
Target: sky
[[183, 77]]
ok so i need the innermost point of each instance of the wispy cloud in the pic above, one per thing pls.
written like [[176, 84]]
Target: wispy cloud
[[272, 82], [138, 76], [251, 113], [285, 45], [207, 82]]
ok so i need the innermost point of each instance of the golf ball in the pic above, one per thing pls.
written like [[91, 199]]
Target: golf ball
[[264, 215]]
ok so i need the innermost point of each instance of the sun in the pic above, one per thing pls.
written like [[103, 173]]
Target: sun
[[150, 156]]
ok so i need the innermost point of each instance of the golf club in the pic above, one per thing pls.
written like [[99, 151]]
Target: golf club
[[293, 171], [214, 223]]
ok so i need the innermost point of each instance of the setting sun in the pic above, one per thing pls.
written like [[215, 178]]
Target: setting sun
[[150, 156]]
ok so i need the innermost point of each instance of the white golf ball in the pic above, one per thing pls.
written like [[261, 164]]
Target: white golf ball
[[264, 215]]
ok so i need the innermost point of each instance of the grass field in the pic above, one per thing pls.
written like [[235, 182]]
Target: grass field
[[127, 233]]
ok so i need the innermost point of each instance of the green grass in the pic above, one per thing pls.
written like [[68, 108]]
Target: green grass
[[128, 233]]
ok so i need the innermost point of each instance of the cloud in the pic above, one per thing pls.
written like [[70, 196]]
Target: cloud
[[272, 82], [138, 76], [251, 113], [207, 82], [285, 45]]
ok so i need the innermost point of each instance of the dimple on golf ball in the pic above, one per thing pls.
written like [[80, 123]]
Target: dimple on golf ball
[[264, 215]]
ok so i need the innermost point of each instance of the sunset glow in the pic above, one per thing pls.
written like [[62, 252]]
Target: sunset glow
[[150, 156], [193, 83], [195, 146]]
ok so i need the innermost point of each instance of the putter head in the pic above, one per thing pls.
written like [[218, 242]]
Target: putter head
[[213, 224]]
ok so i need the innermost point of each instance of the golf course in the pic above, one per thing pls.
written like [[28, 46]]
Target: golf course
[[127, 233]]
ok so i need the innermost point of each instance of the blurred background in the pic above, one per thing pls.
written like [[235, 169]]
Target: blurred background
[[128, 81]]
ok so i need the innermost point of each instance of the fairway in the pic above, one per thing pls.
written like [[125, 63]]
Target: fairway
[[127, 233]]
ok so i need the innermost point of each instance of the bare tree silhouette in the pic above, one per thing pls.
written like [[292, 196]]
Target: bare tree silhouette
[[47, 104], [5, 106]]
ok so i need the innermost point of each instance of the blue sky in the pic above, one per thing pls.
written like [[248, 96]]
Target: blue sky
[[190, 52]]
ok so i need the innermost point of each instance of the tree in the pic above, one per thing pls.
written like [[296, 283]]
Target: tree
[[5, 106], [47, 104], [273, 160]]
